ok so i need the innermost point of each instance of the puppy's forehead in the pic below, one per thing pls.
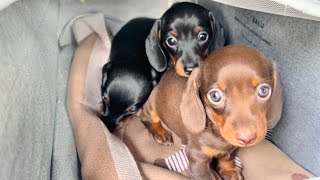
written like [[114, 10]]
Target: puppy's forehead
[[237, 63], [183, 8], [185, 13], [186, 21]]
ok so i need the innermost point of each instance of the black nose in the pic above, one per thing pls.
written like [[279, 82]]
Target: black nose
[[188, 69]]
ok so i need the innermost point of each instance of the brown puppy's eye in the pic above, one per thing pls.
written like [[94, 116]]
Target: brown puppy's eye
[[171, 41], [216, 97], [203, 36], [264, 91]]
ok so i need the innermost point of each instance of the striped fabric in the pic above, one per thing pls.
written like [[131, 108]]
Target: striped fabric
[[237, 162], [179, 162], [269, 134]]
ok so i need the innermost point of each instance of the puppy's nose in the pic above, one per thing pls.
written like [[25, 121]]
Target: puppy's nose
[[246, 137], [188, 69]]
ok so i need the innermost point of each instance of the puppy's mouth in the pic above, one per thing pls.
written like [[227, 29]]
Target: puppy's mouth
[[243, 135]]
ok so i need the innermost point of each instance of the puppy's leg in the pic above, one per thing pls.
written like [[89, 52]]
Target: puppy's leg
[[227, 169], [199, 165], [199, 155], [152, 122]]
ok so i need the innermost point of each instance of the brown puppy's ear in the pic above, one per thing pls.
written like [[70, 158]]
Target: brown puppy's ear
[[276, 100], [218, 36], [191, 108], [154, 51]]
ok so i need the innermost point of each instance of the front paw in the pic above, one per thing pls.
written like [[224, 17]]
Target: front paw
[[163, 137], [231, 174]]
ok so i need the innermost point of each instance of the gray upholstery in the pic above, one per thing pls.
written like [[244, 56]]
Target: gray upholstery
[[36, 140], [294, 44], [28, 89]]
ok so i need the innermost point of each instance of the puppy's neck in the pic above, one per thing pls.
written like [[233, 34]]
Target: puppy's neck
[[214, 138]]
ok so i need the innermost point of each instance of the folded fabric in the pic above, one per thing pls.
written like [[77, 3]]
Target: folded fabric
[[100, 153], [6, 3]]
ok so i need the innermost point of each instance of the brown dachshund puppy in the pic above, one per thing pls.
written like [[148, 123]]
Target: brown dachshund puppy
[[228, 102]]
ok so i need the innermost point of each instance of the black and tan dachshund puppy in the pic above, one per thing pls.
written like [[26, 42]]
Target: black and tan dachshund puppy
[[183, 37], [144, 48], [128, 77]]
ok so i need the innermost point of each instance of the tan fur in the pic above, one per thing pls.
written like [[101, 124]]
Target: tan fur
[[174, 33], [197, 29], [209, 151], [178, 66]]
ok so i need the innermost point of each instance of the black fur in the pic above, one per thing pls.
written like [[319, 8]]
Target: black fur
[[183, 18], [127, 78], [139, 55]]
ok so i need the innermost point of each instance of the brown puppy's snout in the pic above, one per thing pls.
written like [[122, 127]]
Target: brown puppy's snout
[[246, 137]]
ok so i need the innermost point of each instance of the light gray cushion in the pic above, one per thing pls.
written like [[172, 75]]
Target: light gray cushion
[[294, 44], [28, 67]]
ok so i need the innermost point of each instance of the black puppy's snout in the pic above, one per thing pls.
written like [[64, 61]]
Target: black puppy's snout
[[188, 69]]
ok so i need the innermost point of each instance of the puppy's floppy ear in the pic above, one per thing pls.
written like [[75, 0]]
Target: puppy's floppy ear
[[218, 38], [154, 51], [105, 69], [191, 108], [276, 100]]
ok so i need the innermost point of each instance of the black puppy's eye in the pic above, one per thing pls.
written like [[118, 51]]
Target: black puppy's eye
[[203, 36], [171, 41], [105, 98], [132, 110]]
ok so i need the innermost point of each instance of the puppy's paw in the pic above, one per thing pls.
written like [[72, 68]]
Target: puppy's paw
[[163, 137], [227, 168], [231, 174]]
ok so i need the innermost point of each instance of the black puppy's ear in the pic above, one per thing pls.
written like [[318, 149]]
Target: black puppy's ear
[[105, 69], [218, 38], [154, 51]]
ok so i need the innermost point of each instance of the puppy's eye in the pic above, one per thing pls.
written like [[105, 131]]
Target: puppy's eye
[[171, 41], [203, 36], [264, 91], [105, 98], [132, 110], [216, 97]]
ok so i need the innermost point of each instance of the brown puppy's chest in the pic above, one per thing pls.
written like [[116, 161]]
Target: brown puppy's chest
[[210, 143]]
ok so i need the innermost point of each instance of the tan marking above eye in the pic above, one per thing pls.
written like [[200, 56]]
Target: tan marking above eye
[[197, 29], [255, 81], [222, 85], [174, 33]]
